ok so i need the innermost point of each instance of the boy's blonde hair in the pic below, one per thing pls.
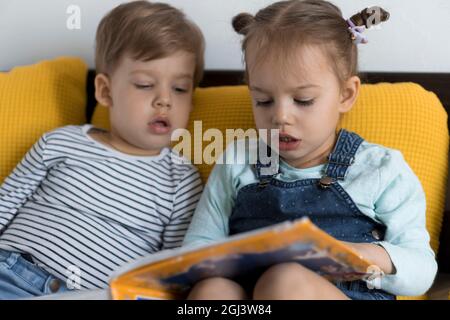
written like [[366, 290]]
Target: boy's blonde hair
[[146, 31]]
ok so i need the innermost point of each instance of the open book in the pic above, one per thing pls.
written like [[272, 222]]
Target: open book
[[170, 274]]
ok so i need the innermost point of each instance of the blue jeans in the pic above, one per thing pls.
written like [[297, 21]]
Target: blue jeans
[[358, 290], [21, 278]]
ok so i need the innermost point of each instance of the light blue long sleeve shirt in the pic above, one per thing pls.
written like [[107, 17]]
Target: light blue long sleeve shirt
[[381, 184]]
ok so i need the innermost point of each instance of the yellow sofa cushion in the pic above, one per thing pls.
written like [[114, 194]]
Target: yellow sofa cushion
[[35, 99], [408, 118], [402, 116]]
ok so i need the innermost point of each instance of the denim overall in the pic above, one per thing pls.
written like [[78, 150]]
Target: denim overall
[[323, 201]]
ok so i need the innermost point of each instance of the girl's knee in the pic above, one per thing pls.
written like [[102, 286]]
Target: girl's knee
[[285, 281], [286, 272], [217, 289]]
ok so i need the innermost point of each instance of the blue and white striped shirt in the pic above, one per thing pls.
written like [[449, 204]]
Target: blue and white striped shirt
[[74, 202]]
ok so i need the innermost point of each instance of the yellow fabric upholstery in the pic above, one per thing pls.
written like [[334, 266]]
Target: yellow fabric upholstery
[[401, 116], [100, 118], [408, 118], [35, 99]]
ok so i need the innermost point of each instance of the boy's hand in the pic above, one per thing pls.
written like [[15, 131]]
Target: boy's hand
[[374, 253]]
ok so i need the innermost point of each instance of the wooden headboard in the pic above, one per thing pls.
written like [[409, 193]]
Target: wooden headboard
[[439, 83]]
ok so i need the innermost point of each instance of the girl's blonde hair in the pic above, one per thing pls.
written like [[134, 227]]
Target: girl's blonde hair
[[281, 28]]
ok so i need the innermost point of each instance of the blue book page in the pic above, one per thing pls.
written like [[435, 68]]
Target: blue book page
[[251, 264]]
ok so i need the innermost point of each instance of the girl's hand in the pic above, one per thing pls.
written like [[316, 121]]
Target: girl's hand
[[374, 253]]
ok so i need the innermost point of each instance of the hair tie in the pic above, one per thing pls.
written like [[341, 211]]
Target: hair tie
[[357, 33]]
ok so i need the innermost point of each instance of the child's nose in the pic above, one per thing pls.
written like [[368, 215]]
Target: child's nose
[[162, 99], [163, 102], [281, 114]]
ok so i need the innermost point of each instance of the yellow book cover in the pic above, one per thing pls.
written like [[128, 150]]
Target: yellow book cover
[[170, 274]]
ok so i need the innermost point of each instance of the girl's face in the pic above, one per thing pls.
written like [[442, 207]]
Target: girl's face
[[304, 102]]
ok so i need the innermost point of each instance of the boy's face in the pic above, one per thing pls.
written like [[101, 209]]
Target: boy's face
[[149, 100], [304, 101]]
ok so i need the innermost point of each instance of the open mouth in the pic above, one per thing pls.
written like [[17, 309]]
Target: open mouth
[[159, 125], [288, 142], [287, 138]]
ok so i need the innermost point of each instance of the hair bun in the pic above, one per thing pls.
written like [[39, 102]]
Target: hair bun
[[370, 17], [241, 22]]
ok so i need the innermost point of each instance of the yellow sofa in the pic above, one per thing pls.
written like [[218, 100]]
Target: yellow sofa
[[402, 116]]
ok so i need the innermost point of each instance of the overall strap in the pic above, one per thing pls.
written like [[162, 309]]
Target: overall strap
[[342, 157]]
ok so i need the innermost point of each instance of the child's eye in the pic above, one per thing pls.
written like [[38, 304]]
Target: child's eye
[[181, 90], [305, 103], [264, 103], [143, 86]]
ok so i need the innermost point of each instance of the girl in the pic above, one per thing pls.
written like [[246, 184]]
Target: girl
[[301, 67]]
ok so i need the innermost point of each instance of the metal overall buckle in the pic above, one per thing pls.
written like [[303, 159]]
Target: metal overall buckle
[[326, 182], [263, 183]]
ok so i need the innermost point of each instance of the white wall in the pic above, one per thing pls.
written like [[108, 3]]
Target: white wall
[[416, 38]]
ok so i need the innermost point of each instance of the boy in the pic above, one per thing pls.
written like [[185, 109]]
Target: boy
[[84, 201]]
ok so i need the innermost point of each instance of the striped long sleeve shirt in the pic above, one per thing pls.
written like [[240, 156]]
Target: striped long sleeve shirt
[[74, 204]]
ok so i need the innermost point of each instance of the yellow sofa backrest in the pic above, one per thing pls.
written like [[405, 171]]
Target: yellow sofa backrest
[[401, 116], [35, 99]]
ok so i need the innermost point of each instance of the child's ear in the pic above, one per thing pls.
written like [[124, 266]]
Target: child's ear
[[103, 90], [349, 94]]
